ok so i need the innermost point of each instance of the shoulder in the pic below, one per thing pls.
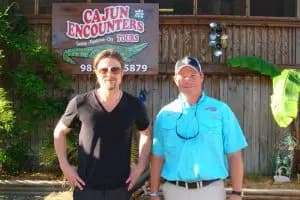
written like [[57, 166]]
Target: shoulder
[[84, 97], [216, 103], [172, 107]]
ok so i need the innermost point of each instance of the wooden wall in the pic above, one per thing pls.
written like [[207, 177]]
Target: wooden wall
[[248, 93]]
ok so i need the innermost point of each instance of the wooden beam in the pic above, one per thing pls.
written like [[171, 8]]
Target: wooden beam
[[297, 46], [298, 8], [248, 8]]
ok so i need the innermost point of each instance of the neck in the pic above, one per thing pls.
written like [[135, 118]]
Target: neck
[[191, 98], [107, 95]]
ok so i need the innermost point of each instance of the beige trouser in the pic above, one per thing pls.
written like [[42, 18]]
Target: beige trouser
[[213, 191]]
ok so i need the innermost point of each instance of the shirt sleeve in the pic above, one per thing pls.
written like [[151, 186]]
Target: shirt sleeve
[[70, 116], [157, 141], [142, 121], [234, 139]]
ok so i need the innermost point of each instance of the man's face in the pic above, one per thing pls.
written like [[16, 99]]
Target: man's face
[[189, 81], [109, 73]]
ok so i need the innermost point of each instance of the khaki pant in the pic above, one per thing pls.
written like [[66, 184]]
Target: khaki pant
[[213, 191]]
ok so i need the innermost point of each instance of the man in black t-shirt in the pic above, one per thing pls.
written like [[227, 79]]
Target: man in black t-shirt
[[106, 116]]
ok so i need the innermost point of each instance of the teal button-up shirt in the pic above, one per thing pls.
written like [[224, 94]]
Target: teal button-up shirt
[[211, 131]]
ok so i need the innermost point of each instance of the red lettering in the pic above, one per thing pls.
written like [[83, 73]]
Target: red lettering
[[97, 16], [87, 16], [70, 29], [124, 12]]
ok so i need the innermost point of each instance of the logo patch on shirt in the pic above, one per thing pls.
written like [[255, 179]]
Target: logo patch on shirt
[[211, 108]]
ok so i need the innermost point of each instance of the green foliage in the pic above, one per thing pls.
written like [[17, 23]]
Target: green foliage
[[7, 115], [254, 63], [30, 75], [285, 97]]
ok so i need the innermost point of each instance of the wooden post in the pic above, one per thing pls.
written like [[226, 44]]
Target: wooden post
[[248, 8]]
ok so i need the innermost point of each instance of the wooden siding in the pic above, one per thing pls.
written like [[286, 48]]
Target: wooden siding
[[248, 93]]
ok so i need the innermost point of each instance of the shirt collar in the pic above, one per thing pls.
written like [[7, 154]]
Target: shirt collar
[[182, 101]]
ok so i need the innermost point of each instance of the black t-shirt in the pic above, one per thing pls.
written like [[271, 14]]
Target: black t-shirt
[[105, 137]]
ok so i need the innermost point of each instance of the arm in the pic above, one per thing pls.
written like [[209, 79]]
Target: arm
[[144, 151], [236, 172], [60, 146], [156, 165]]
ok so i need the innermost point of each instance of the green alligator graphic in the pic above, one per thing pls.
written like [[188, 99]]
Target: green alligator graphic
[[90, 52]]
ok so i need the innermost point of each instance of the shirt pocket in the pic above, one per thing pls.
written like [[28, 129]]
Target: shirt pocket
[[170, 141]]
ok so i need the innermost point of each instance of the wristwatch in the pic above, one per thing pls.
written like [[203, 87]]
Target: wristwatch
[[238, 193]]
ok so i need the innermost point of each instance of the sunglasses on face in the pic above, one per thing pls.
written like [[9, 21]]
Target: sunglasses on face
[[113, 70]]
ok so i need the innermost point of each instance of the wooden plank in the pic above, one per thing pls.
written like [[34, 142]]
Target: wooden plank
[[149, 96], [271, 45], [207, 85], [188, 41], [180, 43], [224, 89], [236, 37], [156, 101], [215, 87], [236, 97], [256, 121], [205, 51], [298, 41], [196, 46], [243, 41], [264, 109], [228, 49], [165, 90], [265, 45], [257, 41], [165, 45], [173, 46], [250, 31], [284, 40], [278, 45], [248, 125]]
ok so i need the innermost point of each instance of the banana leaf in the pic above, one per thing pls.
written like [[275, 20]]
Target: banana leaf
[[254, 63], [285, 97]]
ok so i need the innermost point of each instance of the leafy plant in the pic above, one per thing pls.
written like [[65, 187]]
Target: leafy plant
[[254, 63], [286, 87], [29, 75]]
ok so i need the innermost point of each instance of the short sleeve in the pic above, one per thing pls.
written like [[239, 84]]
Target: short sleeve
[[70, 116], [234, 139], [142, 121], [157, 143]]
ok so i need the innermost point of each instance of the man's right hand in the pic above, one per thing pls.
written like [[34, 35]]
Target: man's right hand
[[72, 177]]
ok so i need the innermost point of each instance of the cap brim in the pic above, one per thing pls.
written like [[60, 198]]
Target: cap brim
[[185, 65]]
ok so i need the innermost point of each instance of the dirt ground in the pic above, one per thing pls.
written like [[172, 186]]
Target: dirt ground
[[250, 181]]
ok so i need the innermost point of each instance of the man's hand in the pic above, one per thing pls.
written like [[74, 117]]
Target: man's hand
[[135, 172], [71, 175]]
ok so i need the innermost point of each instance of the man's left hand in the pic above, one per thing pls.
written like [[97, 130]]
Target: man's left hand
[[135, 172]]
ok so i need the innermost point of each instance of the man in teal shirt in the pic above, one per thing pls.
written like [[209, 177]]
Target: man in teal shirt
[[194, 138]]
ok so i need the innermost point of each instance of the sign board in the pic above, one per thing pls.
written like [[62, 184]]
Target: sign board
[[82, 30]]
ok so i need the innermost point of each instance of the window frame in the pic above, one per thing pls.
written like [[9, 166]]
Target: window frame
[[195, 8]]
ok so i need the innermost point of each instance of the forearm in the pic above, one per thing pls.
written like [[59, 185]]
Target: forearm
[[236, 171], [156, 165], [144, 148], [60, 144]]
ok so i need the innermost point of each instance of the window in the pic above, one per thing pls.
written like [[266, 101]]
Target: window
[[115, 1], [45, 6], [174, 7], [277, 8], [221, 7]]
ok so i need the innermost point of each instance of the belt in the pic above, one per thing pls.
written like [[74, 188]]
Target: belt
[[193, 185]]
